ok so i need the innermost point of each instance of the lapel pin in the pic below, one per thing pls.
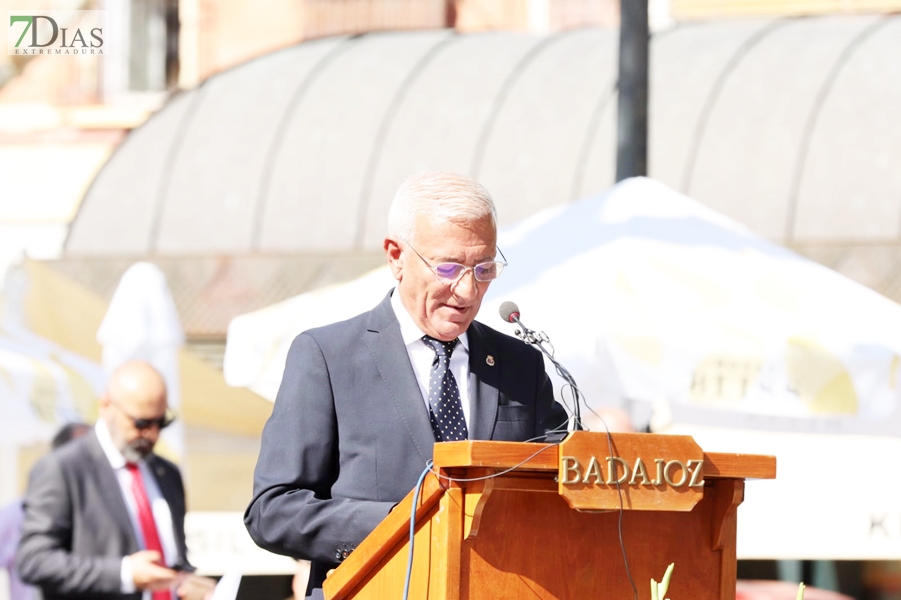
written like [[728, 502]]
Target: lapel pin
[[490, 360]]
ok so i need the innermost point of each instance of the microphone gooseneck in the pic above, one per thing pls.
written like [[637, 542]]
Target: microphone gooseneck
[[509, 312]]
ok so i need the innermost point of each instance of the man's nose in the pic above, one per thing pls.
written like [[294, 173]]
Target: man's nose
[[466, 286], [151, 433]]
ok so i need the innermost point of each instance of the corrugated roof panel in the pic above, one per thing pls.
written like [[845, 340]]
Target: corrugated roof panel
[[685, 65], [851, 181], [315, 191], [438, 123], [301, 150], [748, 157], [216, 181], [118, 214], [534, 145]]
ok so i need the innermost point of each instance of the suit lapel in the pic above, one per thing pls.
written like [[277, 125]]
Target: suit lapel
[[168, 488], [172, 493], [483, 381], [387, 348], [110, 490]]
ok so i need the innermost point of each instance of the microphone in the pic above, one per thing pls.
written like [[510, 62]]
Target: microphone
[[509, 312]]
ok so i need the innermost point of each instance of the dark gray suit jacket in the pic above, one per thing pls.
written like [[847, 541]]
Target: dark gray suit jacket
[[77, 528], [349, 432]]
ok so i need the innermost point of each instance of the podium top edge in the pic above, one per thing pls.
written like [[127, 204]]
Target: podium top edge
[[529, 456], [540, 456]]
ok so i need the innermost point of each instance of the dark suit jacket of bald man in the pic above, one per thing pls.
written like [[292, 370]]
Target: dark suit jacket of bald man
[[349, 433], [77, 528]]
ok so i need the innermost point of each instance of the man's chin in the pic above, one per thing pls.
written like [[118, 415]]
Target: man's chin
[[449, 330], [136, 453]]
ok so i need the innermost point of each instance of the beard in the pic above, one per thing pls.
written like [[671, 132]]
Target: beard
[[136, 450]]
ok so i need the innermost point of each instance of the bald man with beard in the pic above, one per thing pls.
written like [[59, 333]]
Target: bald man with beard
[[104, 515]]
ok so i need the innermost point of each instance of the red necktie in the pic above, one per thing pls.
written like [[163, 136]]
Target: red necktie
[[145, 518]]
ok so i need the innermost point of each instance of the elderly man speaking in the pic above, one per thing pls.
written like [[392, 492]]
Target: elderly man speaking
[[362, 402]]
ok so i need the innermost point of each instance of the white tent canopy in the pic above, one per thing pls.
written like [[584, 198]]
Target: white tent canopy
[[42, 387], [661, 306], [258, 342], [653, 300]]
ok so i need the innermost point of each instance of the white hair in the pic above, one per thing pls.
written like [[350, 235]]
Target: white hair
[[446, 196]]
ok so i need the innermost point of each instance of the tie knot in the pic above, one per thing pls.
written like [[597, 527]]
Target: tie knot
[[131, 466], [442, 349]]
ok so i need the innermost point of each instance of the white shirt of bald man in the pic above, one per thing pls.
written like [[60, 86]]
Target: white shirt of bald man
[[162, 516]]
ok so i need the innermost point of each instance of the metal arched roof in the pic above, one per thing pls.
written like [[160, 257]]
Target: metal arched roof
[[787, 125]]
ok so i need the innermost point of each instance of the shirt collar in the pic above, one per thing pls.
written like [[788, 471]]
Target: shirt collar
[[115, 458], [409, 331]]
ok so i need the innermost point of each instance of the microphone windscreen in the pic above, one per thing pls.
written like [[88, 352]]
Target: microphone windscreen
[[508, 310]]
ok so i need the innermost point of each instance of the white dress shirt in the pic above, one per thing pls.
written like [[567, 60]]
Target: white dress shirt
[[422, 356], [158, 505]]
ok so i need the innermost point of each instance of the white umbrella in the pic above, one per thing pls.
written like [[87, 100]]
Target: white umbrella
[[142, 323]]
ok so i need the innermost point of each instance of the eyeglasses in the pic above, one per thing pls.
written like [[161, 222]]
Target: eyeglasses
[[451, 272], [142, 424]]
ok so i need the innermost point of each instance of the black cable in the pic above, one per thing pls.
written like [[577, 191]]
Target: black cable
[[428, 468], [530, 337], [621, 511], [499, 473]]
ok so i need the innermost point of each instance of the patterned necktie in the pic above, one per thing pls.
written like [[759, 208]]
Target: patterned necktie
[[145, 519], [445, 408]]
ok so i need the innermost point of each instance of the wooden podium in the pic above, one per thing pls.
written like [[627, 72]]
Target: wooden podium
[[504, 520]]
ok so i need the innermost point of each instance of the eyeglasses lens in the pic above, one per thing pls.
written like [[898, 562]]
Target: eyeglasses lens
[[488, 271], [449, 272], [162, 422]]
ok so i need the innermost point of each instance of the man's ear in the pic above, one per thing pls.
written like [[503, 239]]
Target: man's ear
[[104, 404], [395, 257]]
